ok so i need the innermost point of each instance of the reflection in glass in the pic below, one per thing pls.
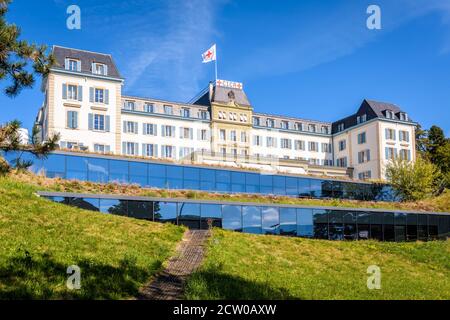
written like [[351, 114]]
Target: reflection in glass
[[140, 210], [266, 184], [118, 171], [270, 220], [291, 186], [252, 182], [189, 215], [279, 185], [54, 166], [165, 211], [443, 227], [316, 188], [320, 224], [237, 182], [114, 206], [388, 227], [411, 227], [305, 223], [251, 219], [288, 221], [231, 217], [138, 173], [83, 203], [212, 213], [304, 188], [76, 168], [422, 227], [157, 175], [98, 170], [191, 178], [174, 177], [336, 227]]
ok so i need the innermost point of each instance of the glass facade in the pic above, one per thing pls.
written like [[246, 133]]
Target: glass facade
[[174, 176], [331, 224]]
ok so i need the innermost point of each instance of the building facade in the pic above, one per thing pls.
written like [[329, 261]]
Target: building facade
[[85, 105]]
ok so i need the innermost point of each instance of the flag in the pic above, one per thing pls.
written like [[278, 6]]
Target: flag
[[210, 54]]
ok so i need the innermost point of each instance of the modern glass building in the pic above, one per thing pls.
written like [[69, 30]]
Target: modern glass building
[[289, 220], [99, 168]]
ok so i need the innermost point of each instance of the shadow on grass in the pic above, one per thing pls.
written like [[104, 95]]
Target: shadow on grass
[[39, 276], [212, 284]]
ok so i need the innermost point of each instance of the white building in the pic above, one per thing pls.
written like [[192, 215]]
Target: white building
[[85, 105]]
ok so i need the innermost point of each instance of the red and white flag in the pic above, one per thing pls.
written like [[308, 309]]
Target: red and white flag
[[210, 54]]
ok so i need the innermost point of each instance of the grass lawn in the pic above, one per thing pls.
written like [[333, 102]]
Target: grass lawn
[[244, 266], [39, 239]]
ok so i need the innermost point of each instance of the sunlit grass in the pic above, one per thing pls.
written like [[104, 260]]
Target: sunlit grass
[[244, 266]]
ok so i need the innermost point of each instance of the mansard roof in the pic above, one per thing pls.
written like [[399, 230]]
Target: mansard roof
[[86, 58]]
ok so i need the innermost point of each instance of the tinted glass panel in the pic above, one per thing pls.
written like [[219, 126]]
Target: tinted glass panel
[[266, 184], [336, 226], [320, 224], [252, 182], [165, 211], [98, 170], [305, 223], [237, 182], [138, 173], [140, 209], [288, 221], [388, 228], [118, 171], [443, 227], [211, 214], [76, 168], [304, 188], [270, 220], [251, 219], [189, 215], [113, 206], [291, 186], [411, 227], [316, 188], [279, 185], [232, 217], [54, 165], [83, 203], [174, 177], [157, 175], [422, 227]]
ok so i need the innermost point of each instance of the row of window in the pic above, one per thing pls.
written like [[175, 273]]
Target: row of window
[[75, 93], [96, 67], [274, 220], [391, 154], [286, 125], [363, 118], [390, 134], [233, 116], [149, 107], [97, 122]]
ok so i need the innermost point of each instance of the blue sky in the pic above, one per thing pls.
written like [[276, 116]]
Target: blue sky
[[308, 59]]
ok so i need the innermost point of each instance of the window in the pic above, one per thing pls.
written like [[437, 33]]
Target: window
[[101, 148], [271, 142], [390, 134], [341, 162], [403, 116], [298, 126], [326, 147], [130, 127], [312, 128], [168, 109], [223, 151], [168, 151], [168, 131], [222, 134], [340, 127], [405, 154], [130, 148], [186, 152], [99, 122], [149, 107], [257, 140], [389, 114], [72, 91], [203, 134], [327, 162], [129, 105], [234, 152], [362, 138], [403, 136], [203, 115], [286, 143], [365, 175], [72, 119], [243, 137], [99, 95], [361, 118], [390, 153], [73, 65], [243, 117], [99, 68], [313, 146], [256, 121], [221, 115], [284, 125], [324, 129], [149, 129], [233, 135], [186, 133], [299, 145], [270, 123], [342, 145], [363, 156], [149, 150], [186, 113]]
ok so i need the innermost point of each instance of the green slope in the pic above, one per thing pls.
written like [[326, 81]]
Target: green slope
[[40, 239], [243, 266]]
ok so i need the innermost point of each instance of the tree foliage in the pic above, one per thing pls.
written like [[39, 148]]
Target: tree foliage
[[413, 180], [15, 56]]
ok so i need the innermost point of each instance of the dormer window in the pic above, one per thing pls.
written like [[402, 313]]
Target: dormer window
[[99, 68], [285, 125], [72, 64], [148, 107], [389, 114], [340, 127], [312, 128], [298, 126], [403, 116], [270, 123], [129, 105], [256, 121], [168, 109], [324, 129], [361, 118], [186, 112]]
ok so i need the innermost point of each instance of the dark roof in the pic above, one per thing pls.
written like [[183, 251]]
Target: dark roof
[[221, 94], [372, 109], [86, 58]]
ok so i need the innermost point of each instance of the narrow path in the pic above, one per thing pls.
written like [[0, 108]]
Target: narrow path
[[168, 285]]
